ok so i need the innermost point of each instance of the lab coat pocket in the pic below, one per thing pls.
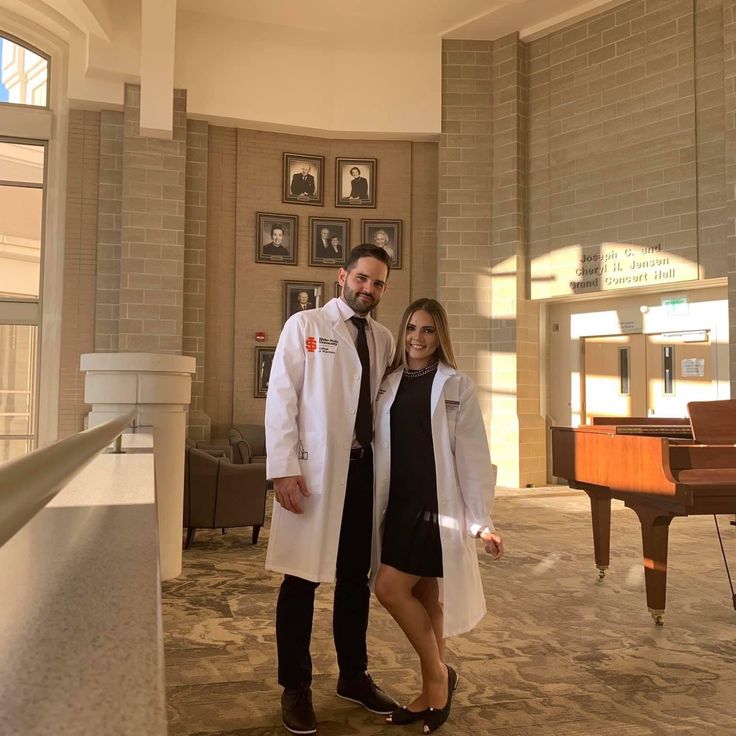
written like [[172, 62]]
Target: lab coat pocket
[[311, 451], [451, 411]]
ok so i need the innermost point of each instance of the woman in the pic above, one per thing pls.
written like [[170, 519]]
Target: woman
[[358, 185], [434, 481], [382, 240]]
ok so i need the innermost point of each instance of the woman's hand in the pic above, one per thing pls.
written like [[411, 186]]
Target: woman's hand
[[493, 544]]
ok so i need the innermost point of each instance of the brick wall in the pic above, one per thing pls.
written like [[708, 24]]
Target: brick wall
[[711, 137], [256, 298], [614, 107], [220, 271], [423, 272]]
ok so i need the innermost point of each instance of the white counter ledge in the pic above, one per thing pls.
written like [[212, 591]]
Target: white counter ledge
[[81, 648]]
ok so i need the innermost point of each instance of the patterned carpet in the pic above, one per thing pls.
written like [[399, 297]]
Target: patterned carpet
[[558, 653]]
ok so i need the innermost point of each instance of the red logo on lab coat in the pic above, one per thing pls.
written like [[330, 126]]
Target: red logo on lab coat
[[311, 344]]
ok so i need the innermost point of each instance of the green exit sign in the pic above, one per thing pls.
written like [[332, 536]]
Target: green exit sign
[[675, 306]]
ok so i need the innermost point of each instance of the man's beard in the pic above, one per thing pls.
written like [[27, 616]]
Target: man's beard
[[351, 297]]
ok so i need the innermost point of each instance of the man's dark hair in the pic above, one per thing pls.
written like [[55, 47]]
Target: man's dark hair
[[368, 250], [276, 226]]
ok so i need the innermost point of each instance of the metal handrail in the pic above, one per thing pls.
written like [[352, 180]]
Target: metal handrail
[[29, 482]]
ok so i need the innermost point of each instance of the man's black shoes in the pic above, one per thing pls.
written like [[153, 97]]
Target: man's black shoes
[[361, 689], [297, 711]]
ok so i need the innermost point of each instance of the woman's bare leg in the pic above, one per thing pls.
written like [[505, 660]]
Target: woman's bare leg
[[395, 591], [427, 590]]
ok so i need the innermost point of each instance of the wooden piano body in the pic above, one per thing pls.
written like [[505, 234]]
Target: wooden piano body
[[656, 469]]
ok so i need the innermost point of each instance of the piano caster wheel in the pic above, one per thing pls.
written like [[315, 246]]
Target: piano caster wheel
[[658, 619], [601, 573]]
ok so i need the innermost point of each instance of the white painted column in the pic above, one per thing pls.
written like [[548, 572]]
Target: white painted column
[[158, 388]]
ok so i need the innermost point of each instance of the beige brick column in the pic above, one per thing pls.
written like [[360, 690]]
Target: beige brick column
[[77, 325], [195, 255], [109, 230], [152, 247], [464, 208], [482, 246], [729, 65], [517, 429]]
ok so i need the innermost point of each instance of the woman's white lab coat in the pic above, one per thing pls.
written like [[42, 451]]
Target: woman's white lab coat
[[465, 487], [310, 417]]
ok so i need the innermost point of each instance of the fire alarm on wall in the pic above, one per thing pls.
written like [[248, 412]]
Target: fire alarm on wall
[[260, 336]]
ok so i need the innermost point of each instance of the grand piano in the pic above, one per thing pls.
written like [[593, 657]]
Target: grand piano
[[660, 468]]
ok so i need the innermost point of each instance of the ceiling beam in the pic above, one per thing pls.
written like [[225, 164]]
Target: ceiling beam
[[158, 41]]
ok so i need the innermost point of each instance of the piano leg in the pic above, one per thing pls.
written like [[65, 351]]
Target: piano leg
[[655, 527], [600, 511]]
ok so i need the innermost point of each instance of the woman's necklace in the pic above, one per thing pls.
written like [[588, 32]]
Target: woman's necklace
[[411, 373]]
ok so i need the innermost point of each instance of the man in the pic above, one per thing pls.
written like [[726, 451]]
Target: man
[[276, 247], [302, 185], [302, 302], [323, 244], [325, 375]]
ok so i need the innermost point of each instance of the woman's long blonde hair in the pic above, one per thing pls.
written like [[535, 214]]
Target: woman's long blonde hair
[[444, 347]]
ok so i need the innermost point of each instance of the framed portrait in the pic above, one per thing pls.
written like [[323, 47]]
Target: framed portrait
[[303, 179], [302, 295], [355, 182], [329, 241], [276, 238], [338, 290], [385, 234], [264, 358]]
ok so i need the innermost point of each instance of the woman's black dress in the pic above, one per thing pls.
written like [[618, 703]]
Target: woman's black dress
[[411, 536]]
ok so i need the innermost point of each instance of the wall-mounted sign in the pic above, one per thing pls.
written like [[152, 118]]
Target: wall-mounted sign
[[692, 367], [609, 267]]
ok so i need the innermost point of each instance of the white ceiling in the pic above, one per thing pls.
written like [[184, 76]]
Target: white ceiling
[[469, 19]]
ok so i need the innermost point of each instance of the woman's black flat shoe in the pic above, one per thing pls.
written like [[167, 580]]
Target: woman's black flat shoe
[[402, 715], [435, 717]]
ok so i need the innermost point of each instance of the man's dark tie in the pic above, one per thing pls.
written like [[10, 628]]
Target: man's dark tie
[[363, 419]]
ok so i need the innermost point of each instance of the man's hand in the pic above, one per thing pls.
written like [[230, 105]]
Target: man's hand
[[289, 491]]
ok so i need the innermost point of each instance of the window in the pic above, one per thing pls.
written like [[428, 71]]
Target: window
[[24, 74], [31, 273], [22, 165], [21, 218], [624, 372], [17, 390], [668, 369]]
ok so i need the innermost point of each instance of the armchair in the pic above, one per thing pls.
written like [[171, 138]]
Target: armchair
[[248, 443], [220, 494]]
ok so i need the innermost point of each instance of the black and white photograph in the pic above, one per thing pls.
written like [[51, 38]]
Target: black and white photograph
[[303, 179], [385, 234], [329, 241], [264, 358], [302, 295], [355, 182], [276, 238]]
